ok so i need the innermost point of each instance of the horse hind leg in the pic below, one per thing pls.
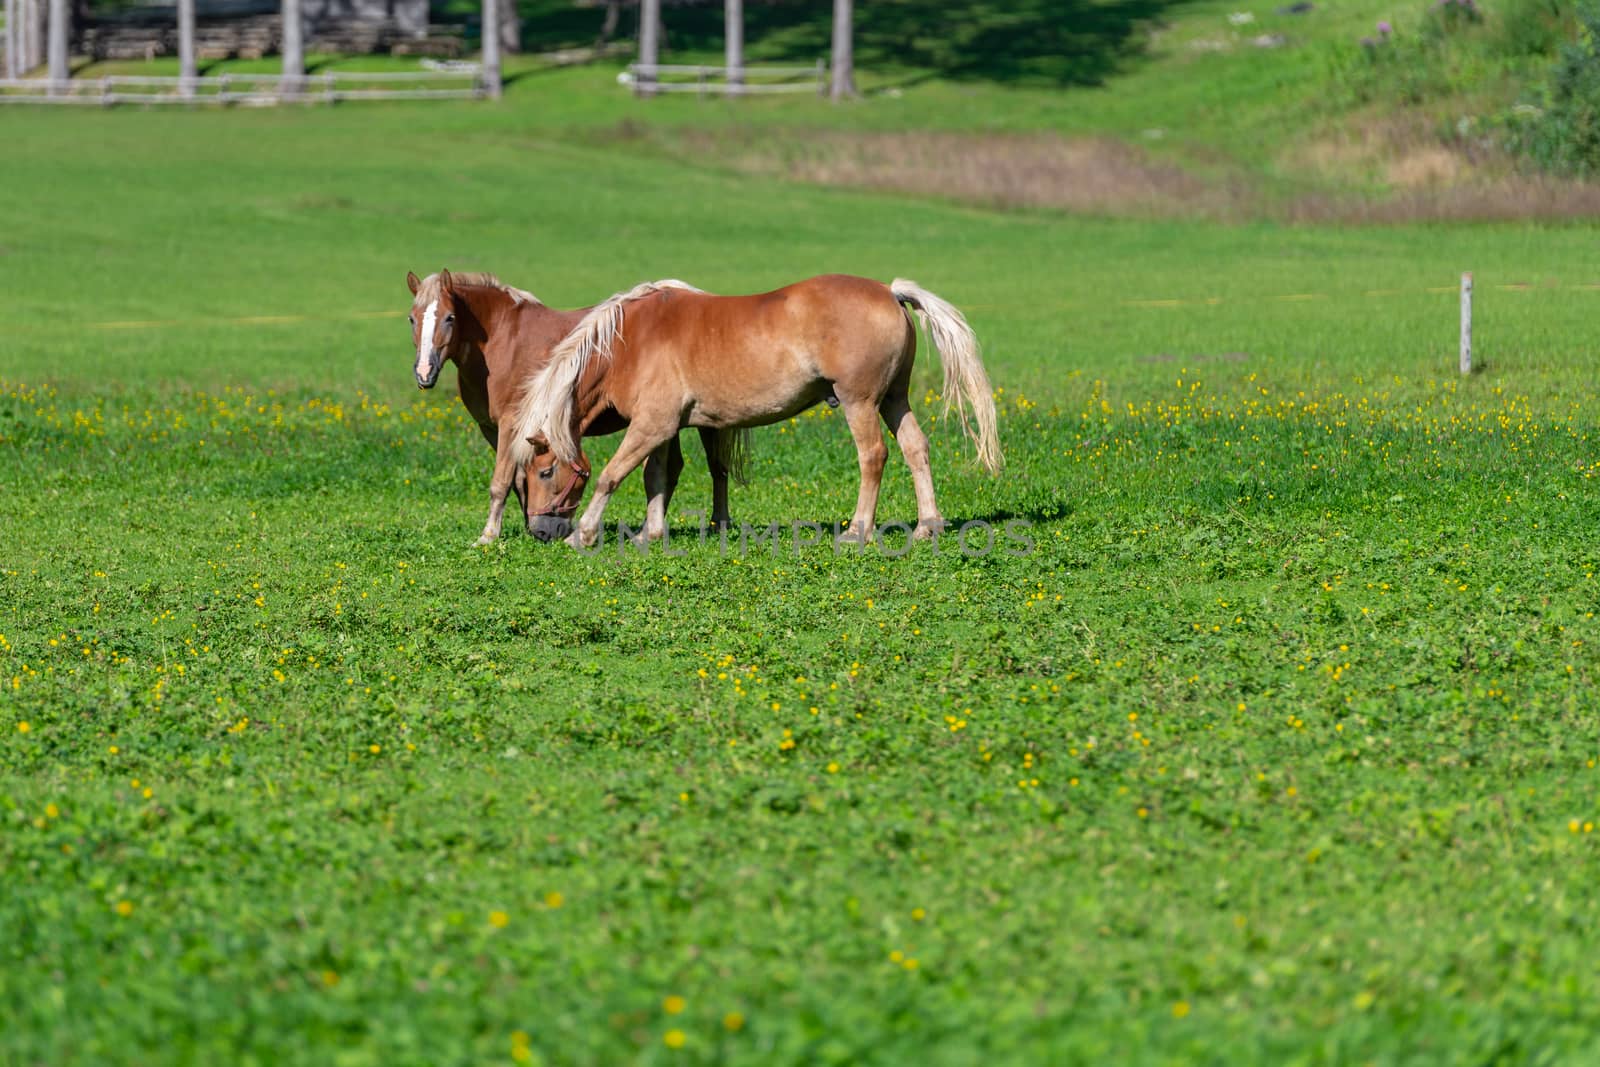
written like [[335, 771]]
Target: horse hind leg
[[674, 472], [862, 415], [717, 463], [896, 409], [658, 478]]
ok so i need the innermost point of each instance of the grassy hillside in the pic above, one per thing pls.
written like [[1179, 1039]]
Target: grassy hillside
[[1229, 111]]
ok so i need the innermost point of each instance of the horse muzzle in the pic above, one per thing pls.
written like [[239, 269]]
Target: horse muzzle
[[425, 381], [550, 527]]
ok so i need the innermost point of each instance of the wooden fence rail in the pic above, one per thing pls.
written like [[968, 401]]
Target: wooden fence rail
[[464, 82], [656, 78]]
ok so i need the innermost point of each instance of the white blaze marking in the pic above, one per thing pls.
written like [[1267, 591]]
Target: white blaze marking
[[425, 339]]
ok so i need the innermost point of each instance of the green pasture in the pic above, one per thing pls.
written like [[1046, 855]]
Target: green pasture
[[1276, 745]]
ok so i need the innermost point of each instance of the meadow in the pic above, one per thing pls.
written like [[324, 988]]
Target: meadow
[[1277, 747]]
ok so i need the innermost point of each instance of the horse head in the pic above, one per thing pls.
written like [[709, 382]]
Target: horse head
[[433, 324], [554, 491]]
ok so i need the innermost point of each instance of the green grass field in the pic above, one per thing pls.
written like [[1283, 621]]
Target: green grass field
[[1279, 746]]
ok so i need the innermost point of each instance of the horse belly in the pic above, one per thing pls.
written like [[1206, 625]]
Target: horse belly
[[759, 404]]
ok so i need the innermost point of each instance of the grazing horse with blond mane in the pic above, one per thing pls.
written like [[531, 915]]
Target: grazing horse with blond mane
[[665, 355], [499, 337]]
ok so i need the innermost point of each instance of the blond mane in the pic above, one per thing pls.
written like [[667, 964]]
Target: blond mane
[[546, 406]]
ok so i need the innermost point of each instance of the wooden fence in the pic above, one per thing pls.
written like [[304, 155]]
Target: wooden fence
[[645, 78], [449, 82]]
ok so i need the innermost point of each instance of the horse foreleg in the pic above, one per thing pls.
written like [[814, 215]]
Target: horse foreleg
[[870, 451], [903, 424], [519, 487], [499, 485], [720, 519], [640, 440]]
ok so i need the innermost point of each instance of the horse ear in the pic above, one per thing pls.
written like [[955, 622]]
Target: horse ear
[[413, 281], [446, 282]]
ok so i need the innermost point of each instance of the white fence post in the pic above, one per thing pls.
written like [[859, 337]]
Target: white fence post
[[1466, 323]]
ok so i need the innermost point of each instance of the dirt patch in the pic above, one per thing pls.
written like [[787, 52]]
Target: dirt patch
[[1410, 175], [1419, 174], [1083, 175], [1427, 165]]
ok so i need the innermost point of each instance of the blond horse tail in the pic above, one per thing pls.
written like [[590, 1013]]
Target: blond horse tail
[[966, 383], [548, 399]]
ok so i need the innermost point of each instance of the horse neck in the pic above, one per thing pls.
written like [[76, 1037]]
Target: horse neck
[[485, 307], [593, 394]]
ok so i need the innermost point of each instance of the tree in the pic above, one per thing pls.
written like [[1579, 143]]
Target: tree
[[649, 46], [510, 27], [489, 42], [58, 44], [844, 70], [608, 28], [186, 65], [294, 52], [733, 42]]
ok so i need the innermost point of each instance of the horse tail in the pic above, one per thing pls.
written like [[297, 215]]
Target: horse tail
[[547, 402], [966, 383], [733, 451]]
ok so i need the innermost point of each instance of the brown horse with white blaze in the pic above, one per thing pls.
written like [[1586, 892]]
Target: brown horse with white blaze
[[665, 355], [499, 337]]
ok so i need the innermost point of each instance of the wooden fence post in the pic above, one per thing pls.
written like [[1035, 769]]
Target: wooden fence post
[[186, 64], [1466, 323], [649, 47], [733, 45], [294, 51], [32, 12], [56, 34], [11, 39], [490, 36]]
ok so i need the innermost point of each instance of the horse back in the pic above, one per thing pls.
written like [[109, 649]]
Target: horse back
[[825, 304], [745, 360]]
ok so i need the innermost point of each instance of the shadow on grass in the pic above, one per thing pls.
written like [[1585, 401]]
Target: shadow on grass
[[1052, 42]]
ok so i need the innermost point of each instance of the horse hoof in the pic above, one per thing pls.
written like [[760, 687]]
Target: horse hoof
[[482, 541], [927, 531]]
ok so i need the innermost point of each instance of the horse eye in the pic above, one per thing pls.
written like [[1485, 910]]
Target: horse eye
[[548, 471], [448, 319], [411, 319]]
